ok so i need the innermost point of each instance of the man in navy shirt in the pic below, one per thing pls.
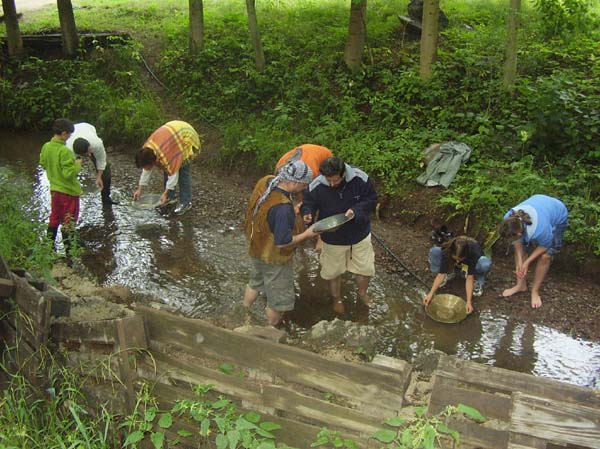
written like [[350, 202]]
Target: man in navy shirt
[[274, 230], [341, 188]]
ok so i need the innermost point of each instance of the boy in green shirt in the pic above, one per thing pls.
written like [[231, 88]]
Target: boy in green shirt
[[62, 168]]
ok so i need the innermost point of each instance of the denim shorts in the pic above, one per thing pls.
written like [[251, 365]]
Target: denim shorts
[[557, 239]]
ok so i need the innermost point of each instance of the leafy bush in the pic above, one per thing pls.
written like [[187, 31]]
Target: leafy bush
[[22, 237]]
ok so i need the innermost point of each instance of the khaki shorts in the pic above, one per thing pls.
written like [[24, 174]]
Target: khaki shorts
[[358, 259], [276, 282]]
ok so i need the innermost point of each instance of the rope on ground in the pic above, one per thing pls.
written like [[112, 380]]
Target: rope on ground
[[397, 259]]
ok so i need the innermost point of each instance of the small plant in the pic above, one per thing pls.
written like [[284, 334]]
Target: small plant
[[424, 431], [420, 432]]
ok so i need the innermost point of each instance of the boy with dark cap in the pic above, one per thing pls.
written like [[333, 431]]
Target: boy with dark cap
[[62, 169]]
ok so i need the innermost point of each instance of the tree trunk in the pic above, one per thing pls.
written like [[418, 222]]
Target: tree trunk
[[67, 27], [512, 30], [429, 37], [13, 33], [357, 35], [259, 55], [196, 26]]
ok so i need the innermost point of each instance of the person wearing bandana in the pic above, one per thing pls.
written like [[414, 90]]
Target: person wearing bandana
[[273, 230]]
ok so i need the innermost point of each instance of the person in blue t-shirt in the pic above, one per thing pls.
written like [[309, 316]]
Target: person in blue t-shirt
[[539, 220]]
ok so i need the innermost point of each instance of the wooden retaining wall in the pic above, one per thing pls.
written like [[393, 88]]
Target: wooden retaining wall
[[298, 389]]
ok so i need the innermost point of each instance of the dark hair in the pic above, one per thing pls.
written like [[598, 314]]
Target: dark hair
[[62, 125], [457, 247], [81, 146], [144, 157], [511, 227], [332, 166]]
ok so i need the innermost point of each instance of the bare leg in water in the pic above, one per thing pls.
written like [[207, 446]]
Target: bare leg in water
[[335, 287], [363, 284]]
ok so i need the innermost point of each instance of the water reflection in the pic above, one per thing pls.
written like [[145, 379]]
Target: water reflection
[[202, 268]]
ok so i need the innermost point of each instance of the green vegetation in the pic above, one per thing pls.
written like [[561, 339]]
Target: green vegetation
[[543, 138], [22, 241]]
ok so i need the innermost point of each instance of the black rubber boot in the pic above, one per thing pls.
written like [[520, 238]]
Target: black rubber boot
[[67, 243], [51, 233]]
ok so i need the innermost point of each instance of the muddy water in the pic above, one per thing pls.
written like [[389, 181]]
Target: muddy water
[[198, 263]]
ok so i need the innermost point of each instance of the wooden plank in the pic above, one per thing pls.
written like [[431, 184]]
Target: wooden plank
[[126, 370], [520, 441], [506, 381], [60, 304], [30, 301], [293, 432], [446, 392], [272, 396], [7, 288], [85, 332], [555, 421], [479, 436], [357, 383], [103, 331]]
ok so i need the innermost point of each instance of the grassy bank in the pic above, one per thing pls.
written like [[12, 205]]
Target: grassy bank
[[542, 139]]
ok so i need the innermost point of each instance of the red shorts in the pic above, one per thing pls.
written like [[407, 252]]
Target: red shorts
[[64, 209]]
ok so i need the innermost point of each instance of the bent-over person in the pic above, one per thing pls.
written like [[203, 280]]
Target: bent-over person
[[540, 221]]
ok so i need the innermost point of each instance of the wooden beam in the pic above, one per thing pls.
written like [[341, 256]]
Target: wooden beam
[[359, 384], [170, 367], [446, 392], [555, 421], [506, 382]]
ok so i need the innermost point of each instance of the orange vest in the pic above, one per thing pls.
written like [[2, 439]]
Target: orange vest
[[312, 155], [258, 232]]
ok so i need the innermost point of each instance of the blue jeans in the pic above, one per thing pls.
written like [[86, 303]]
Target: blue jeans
[[185, 184], [484, 264]]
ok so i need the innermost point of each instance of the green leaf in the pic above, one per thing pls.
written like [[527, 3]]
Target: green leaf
[[158, 439], [134, 437], [221, 441], [320, 442], [165, 421], [394, 421], [150, 414], [384, 435], [226, 368], [420, 411], [184, 433], [220, 404], [269, 426], [448, 431], [205, 427], [429, 440], [252, 416], [234, 437], [242, 424], [471, 413], [264, 433], [350, 444]]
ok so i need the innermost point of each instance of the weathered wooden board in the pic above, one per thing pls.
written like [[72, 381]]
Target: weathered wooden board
[[520, 441], [479, 436], [31, 302], [293, 432], [506, 381], [446, 392], [555, 421], [7, 288], [104, 331], [272, 396], [359, 383]]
